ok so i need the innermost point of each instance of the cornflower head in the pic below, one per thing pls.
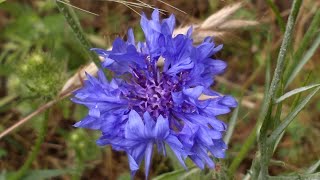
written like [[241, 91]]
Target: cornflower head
[[146, 104]]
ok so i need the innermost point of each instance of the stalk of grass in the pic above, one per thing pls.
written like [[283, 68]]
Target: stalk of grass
[[35, 150], [312, 30], [296, 177], [313, 168], [232, 124], [271, 92], [295, 91], [74, 23], [284, 124], [278, 15], [304, 60], [274, 87]]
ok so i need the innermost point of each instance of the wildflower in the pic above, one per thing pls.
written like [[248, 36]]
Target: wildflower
[[146, 105]]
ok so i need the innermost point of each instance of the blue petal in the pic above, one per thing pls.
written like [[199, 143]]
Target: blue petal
[[215, 134], [149, 125], [214, 108], [217, 66], [119, 46], [162, 128], [177, 97], [193, 92], [179, 66], [204, 136], [165, 30], [94, 112], [170, 22], [134, 127], [177, 148], [197, 161], [148, 158], [132, 164], [88, 122], [107, 62], [102, 77], [229, 101], [130, 35], [100, 52], [155, 15]]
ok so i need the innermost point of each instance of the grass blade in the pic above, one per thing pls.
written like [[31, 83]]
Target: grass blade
[[73, 21], [172, 175], [311, 32], [277, 132], [35, 150], [232, 124], [295, 91], [274, 87], [296, 177], [304, 60], [278, 15], [313, 168]]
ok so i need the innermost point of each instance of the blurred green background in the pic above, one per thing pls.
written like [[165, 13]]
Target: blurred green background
[[39, 53]]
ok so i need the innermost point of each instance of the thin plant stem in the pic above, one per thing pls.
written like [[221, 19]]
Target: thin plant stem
[[272, 89], [35, 150]]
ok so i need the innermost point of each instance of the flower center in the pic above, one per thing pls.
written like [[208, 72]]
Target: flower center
[[150, 92], [153, 97]]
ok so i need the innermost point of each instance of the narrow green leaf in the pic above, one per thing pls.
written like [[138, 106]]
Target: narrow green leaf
[[304, 60], [35, 150], [274, 87], [296, 177], [295, 91], [232, 124], [250, 140], [282, 55], [45, 174], [307, 38], [278, 15], [174, 175], [313, 168], [73, 21], [277, 132], [193, 174], [1, 1]]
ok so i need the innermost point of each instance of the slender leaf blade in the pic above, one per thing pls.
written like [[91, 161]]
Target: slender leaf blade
[[296, 177], [309, 35], [73, 21], [277, 132], [232, 124], [295, 91], [313, 168], [304, 60], [172, 175], [45, 174]]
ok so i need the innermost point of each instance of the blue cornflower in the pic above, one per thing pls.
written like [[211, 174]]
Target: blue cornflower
[[146, 104]]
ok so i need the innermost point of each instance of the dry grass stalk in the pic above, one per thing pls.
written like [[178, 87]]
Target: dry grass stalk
[[220, 17]]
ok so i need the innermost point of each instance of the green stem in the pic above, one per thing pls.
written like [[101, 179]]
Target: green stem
[[243, 151], [73, 21], [272, 89], [278, 15], [35, 150]]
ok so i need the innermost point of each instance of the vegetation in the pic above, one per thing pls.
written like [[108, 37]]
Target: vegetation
[[271, 48]]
